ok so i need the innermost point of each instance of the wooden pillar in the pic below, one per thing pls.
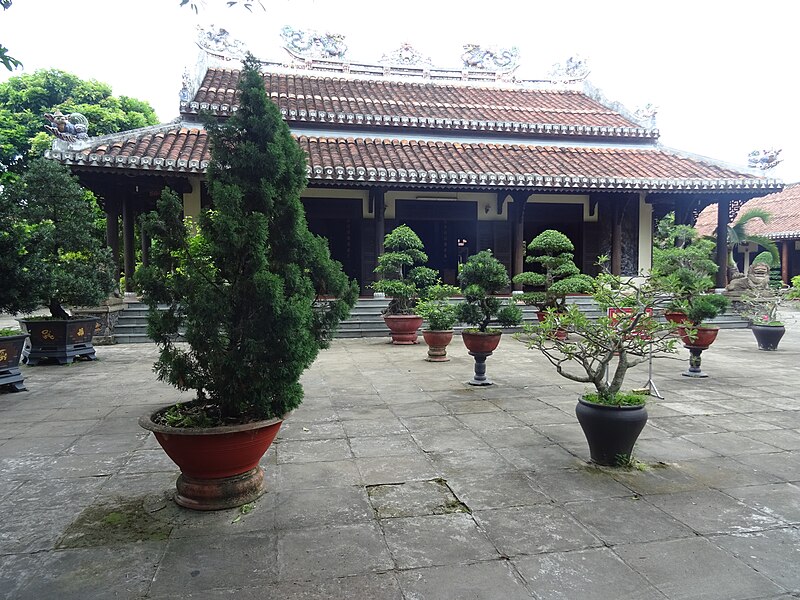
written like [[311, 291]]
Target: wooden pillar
[[128, 250], [112, 234], [517, 218], [785, 250], [379, 208], [723, 215], [145, 248], [616, 238]]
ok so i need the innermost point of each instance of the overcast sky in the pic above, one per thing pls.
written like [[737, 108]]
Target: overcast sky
[[724, 74]]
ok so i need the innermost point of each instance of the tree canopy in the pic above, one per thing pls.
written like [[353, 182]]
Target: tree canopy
[[25, 99]]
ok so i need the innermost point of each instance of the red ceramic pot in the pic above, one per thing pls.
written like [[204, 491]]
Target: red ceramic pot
[[703, 338], [437, 344], [219, 465], [675, 317], [481, 342], [403, 327]]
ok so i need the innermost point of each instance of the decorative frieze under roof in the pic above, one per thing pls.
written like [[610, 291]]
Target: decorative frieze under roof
[[408, 162]]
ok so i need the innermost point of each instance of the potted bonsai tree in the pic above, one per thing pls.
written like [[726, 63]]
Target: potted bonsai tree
[[440, 315], [682, 266], [600, 353], [481, 278], [73, 267], [246, 295], [553, 251], [17, 270], [761, 308], [403, 279]]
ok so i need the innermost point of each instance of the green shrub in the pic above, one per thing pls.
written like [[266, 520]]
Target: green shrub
[[401, 266], [481, 277], [246, 292]]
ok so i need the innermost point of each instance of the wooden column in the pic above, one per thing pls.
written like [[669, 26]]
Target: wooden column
[[128, 250], [145, 248], [112, 234], [616, 238], [379, 208], [785, 250], [517, 218], [723, 215]]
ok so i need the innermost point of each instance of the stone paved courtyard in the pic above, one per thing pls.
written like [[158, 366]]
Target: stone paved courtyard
[[395, 480]]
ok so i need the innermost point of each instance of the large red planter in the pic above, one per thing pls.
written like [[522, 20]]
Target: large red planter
[[403, 327], [437, 344], [219, 465], [704, 337], [478, 342]]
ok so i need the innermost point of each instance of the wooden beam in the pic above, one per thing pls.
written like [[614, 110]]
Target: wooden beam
[[785, 257], [128, 250], [723, 216]]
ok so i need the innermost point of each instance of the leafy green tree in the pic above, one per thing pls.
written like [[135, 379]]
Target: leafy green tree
[[255, 294], [481, 278], [25, 99], [401, 266], [55, 226]]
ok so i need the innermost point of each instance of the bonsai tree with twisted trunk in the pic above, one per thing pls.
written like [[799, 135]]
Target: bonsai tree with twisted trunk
[[246, 292], [482, 278], [554, 252], [404, 277]]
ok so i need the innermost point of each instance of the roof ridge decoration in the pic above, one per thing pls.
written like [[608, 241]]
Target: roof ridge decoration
[[309, 44], [575, 68], [764, 159], [406, 56], [219, 43], [67, 128], [492, 58], [61, 144]]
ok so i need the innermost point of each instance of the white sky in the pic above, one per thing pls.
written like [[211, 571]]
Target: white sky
[[724, 73]]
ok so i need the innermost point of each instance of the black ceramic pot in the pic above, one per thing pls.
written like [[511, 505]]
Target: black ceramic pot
[[611, 431], [768, 336]]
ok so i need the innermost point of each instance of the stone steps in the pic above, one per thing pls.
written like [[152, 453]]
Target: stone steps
[[366, 319]]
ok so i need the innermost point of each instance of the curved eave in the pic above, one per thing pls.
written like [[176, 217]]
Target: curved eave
[[144, 163], [298, 117]]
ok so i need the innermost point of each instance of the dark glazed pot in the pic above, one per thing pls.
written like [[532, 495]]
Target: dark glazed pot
[[11, 347], [62, 340], [219, 465], [611, 431], [768, 336], [403, 327]]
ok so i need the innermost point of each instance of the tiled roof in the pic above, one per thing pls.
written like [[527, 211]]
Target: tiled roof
[[364, 102], [380, 161], [783, 206]]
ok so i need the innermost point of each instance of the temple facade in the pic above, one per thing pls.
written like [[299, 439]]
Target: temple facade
[[469, 158]]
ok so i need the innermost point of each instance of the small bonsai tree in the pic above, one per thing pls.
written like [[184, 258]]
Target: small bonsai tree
[[404, 278], [481, 278], [600, 352], [55, 253], [554, 252], [436, 308], [682, 265], [245, 292]]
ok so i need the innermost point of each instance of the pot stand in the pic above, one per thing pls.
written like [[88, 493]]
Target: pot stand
[[479, 378], [218, 494], [437, 354], [694, 362]]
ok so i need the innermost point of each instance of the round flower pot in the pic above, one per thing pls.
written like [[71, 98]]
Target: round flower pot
[[702, 339], [611, 431], [437, 344], [768, 336], [559, 334], [675, 317], [481, 342], [403, 327], [61, 340], [219, 465]]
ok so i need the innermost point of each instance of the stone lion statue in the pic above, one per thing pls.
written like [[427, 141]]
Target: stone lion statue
[[757, 279]]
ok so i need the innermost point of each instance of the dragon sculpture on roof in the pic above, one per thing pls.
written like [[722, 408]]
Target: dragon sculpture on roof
[[313, 44], [490, 59], [70, 128]]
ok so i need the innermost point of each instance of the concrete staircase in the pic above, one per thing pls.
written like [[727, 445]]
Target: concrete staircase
[[366, 319]]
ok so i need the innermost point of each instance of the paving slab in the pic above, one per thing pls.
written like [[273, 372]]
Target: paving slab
[[396, 480]]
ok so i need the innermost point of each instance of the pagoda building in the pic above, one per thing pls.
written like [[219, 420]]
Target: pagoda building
[[470, 158]]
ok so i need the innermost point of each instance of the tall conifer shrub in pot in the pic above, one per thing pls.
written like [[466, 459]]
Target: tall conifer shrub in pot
[[254, 294]]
